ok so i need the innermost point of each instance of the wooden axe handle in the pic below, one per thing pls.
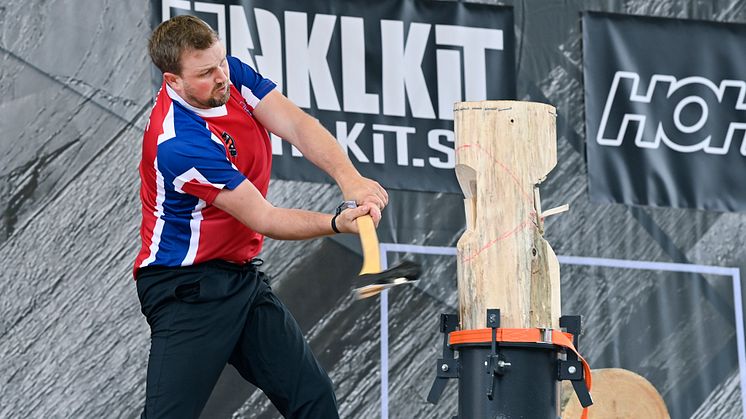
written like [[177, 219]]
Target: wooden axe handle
[[369, 243]]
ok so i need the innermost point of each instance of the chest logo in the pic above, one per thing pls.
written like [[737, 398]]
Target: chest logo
[[246, 107], [230, 143]]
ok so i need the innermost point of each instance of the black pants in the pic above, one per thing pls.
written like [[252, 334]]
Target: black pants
[[204, 316]]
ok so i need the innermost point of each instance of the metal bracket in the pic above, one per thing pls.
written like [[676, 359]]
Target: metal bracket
[[496, 364], [572, 369], [447, 366], [493, 318], [582, 392], [573, 325]]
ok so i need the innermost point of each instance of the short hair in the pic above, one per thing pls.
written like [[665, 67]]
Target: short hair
[[175, 36]]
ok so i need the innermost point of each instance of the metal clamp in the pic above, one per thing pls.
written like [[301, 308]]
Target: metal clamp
[[447, 366], [496, 364], [572, 369]]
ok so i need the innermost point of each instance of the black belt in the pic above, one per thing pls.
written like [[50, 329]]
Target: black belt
[[250, 265]]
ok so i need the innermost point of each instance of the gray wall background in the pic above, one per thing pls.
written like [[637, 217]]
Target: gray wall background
[[76, 92]]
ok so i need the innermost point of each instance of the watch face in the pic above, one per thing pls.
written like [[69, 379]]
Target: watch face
[[344, 205]]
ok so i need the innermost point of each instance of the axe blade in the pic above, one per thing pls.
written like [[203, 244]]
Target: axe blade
[[369, 285]]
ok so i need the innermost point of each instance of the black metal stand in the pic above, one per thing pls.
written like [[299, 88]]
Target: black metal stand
[[506, 379]]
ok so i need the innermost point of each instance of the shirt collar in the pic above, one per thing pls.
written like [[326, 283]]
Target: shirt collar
[[211, 112]]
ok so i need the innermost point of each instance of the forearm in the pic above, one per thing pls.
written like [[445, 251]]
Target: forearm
[[321, 149], [292, 224], [286, 120], [249, 207]]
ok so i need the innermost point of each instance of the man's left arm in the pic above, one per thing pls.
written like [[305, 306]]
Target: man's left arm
[[282, 117]]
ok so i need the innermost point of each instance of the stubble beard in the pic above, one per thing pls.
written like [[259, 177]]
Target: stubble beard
[[212, 102], [220, 101]]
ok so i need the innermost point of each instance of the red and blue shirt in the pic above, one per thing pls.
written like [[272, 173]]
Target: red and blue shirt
[[188, 156]]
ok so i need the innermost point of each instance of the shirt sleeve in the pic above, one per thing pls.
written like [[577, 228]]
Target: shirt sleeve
[[249, 82], [195, 163]]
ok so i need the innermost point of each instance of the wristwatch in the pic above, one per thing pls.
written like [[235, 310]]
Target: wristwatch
[[341, 207]]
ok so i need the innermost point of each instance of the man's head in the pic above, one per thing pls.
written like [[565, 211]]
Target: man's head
[[192, 60]]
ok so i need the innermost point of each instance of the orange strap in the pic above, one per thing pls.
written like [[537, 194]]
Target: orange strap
[[559, 338]]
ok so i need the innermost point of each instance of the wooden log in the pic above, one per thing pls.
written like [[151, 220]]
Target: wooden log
[[504, 149], [617, 394]]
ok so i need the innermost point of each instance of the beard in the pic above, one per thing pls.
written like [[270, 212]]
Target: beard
[[221, 100], [219, 97]]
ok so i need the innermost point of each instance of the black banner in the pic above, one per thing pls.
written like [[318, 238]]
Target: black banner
[[380, 76], [665, 118]]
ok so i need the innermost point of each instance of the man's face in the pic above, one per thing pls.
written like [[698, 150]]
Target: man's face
[[204, 80]]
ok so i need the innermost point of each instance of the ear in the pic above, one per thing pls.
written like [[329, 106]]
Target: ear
[[172, 80]]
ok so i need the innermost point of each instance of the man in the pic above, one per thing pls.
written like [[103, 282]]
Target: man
[[204, 175]]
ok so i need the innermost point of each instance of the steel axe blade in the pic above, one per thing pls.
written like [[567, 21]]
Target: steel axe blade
[[372, 280]]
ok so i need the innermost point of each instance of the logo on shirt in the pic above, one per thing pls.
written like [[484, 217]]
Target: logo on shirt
[[230, 144], [246, 107]]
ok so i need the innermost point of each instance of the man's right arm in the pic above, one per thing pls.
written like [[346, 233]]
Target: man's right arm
[[283, 118], [247, 205]]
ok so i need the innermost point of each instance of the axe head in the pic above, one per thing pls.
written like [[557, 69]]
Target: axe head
[[368, 285]]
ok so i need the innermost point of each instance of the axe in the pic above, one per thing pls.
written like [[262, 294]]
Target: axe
[[371, 280]]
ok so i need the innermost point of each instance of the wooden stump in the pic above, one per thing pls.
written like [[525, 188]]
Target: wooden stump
[[503, 150], [617, 394]]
